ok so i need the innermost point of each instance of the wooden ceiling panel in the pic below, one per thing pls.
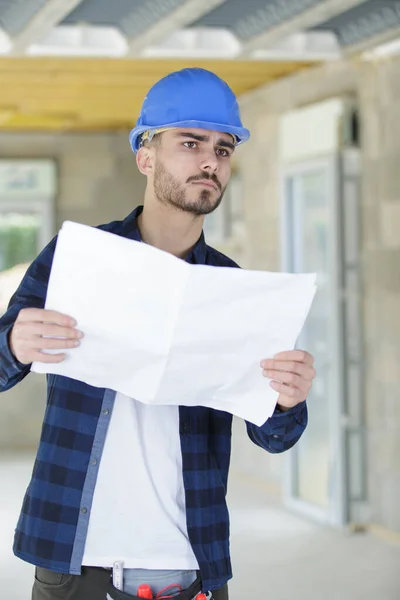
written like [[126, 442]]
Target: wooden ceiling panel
[[101, 94]]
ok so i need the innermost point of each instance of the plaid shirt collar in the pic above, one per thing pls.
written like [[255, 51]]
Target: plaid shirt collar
[[198, 254]]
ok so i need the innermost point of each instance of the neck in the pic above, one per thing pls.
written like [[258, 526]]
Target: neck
[[169, 229]]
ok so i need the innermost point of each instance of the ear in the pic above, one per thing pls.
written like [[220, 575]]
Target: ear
[[145, 160]]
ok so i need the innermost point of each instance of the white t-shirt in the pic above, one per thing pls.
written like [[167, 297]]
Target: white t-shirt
[[138, 513]]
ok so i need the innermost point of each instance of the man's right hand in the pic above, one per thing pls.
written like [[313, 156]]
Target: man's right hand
[[35, 330]]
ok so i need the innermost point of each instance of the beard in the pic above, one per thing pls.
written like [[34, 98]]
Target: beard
[[169, 190]]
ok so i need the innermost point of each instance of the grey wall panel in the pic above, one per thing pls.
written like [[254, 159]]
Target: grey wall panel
[[14, 14]]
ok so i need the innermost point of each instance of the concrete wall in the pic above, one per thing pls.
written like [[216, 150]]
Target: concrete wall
[[379, 98], [98, 177], [377, 87], [98, 182]]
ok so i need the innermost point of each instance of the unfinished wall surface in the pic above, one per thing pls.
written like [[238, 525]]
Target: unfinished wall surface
[[379, 101], [98, 182], [377, 88]]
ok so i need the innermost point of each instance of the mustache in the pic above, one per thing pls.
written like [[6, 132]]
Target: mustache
[[206, 175]]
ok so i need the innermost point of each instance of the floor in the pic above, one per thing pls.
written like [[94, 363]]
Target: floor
[[275, 554]]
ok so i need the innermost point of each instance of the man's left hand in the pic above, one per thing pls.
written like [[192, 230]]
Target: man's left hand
[[292, 374]]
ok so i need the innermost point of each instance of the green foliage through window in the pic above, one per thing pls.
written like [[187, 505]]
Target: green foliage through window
[[18, 239]]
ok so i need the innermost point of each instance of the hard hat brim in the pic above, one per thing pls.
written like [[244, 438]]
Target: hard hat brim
[[241, 133]]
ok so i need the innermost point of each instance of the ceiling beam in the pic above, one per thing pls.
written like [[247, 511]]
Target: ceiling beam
[[94, 94], [180, 17], [372, 42], [319, 13], [43, 21]]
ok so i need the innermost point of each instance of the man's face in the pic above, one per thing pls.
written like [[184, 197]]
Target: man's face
[[192, 169]]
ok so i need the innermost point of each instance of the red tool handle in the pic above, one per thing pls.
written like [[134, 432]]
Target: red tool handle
[[144, 591]]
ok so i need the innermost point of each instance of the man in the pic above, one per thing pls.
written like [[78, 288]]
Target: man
[[114, 479]]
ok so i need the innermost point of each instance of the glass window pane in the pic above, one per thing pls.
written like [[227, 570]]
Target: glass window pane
[[310, 247], [19, 245]]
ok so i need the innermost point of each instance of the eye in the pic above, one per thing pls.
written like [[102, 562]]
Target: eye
[[223, 152], [190, 144]]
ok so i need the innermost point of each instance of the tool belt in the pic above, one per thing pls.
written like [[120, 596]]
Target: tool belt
[[189, 594]]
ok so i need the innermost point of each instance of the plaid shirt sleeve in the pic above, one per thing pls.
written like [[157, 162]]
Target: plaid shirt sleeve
[[282, 431], [31, 293]]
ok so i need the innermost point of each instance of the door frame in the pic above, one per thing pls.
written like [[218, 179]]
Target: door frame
[[336, 514]]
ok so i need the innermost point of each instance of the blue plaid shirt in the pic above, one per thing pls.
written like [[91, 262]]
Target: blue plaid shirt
[[53, 524]]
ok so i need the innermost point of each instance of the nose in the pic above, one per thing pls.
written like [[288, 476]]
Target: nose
[[209, 162]]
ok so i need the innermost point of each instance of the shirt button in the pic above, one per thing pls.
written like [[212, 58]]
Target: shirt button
[[106, 412], [275, 436], [94, 461], [84, 510]]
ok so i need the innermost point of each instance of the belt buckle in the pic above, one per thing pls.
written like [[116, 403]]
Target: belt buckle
[[118, 575]]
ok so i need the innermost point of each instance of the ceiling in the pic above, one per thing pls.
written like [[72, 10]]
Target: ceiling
[[361, 26], [246, 19], [90, 94], [87, 64]]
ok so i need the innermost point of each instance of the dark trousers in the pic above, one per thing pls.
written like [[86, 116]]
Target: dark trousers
[[93, 584]]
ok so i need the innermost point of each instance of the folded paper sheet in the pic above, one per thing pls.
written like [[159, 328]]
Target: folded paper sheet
[[165, 332]]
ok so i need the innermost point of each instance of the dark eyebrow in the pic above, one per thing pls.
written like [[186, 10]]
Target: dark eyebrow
[[193, 136], [224, 144], [205, 138]]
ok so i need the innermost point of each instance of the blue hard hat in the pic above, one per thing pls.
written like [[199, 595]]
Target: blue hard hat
[[190, 98]]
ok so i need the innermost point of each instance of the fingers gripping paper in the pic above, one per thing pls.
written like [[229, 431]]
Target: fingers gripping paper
[[165, 332]]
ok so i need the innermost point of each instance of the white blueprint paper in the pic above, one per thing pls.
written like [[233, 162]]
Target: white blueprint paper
[[165, 332]]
